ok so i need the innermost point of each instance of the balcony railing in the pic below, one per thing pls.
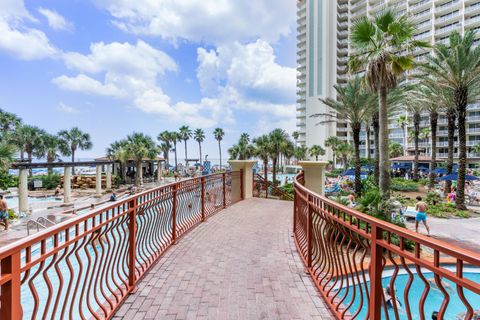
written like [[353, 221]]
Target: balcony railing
[[85, 267], [349, 255]]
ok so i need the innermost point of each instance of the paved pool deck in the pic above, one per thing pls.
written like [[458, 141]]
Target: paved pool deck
[[240, 264]]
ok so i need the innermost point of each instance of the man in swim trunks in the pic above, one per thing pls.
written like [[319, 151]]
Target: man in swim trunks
[[3, 212], [421, 209]]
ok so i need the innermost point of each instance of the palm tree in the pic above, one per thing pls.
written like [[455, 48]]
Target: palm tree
[[424, 135], [263, 148], [185, 133], [7, 155], [72, 140], [243, 150], [376, 141], [287, 149], [174, 138], [199, 136], [434, 99], [140, 146], [29, 140], [395, 149], [344, 151], [118, 152], [295, 136], [218, 133], [8, 123], [333, 142], [277, 137], [457, 66], [165, 137], [316, 151], [414, 107], [300, 153], [379, 43], [402, 122], [476, 148], [50, 148], [353, 104]]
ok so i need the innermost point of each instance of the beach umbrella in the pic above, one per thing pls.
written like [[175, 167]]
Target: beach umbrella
[[351, 172], [440, 171], [454, 177]]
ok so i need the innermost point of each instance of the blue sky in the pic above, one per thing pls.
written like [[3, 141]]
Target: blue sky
[[113, 67]]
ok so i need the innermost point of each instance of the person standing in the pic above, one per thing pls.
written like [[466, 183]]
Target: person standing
[[3, 212], [421, 208]]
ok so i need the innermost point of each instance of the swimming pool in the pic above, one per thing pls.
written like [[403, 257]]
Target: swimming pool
[[432, 303], [281, 177], [12, 202]]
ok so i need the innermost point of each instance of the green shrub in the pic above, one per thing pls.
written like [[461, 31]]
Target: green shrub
[[340, 200], [117, 180], [399, 184], [8, 180], [433, 198], [50, 181], [11, 215], [288, 188]]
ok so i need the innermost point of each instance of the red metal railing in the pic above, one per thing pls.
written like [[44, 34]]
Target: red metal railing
[[366, 268], [262, 188], [85, 267]]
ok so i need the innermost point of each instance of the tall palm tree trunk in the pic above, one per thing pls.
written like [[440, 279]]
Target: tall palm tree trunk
[[220, 153], [30, 158], [265, 175], [368, 146], [176, 160], [376, 138], [416, 133], [186, 153], [405, 142], [124, 171], [356, 145], [451, 118], [433, 164], [139, 175], [274, 171], [384, 161], [50, 160], [460, 98], [200, 152], [73, 160]]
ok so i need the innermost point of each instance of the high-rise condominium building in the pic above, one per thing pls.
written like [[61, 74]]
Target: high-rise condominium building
[[323, 47]]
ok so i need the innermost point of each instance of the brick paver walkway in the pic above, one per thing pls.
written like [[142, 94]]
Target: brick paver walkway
[[240, 264]]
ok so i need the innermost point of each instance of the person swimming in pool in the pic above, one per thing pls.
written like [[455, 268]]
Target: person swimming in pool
[[421, 209]]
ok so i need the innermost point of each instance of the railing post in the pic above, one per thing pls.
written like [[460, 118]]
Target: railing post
[[295, 206], [132, 242], [224, 176], [309, 233], [375, 274], [203, 198], [174, 213], [10, 308], [242, 195]]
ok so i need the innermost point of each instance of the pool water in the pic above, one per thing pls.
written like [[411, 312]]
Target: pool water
[[12, 202], [432, 303], [281, 177]]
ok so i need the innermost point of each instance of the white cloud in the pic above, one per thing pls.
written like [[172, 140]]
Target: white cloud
[[19, 40], [211, 21], [83, 83], [131, 72], [62, 107], [55, 20]]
